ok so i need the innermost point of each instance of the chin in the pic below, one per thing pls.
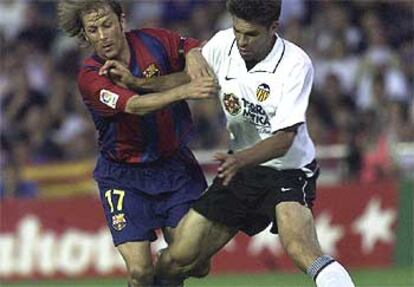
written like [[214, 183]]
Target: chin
[[247, 58], [109, 55]]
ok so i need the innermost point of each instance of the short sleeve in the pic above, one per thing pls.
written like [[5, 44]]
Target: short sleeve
[[295, 97], [100, 94]]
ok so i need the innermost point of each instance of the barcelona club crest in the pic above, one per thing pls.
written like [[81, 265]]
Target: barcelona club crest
[[262, 92], [151, 71], [231, 104], [119, 221]]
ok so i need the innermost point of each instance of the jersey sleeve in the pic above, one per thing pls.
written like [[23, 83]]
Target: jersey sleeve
[[212, 52], [175, 45], [100, 94], [295, 97]]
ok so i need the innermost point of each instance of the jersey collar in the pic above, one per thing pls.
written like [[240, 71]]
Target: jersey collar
[[268, 65]]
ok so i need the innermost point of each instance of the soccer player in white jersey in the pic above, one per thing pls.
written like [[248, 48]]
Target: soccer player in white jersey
[[269, 175]]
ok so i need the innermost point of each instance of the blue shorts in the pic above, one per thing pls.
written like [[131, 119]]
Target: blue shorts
[[137, 199]]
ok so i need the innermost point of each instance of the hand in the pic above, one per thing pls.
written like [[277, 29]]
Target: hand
[[229, 166], [117, 72], [201, 88], [196, 66]]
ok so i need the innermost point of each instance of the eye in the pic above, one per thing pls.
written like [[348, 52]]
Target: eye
[[107, 24], [91, 30]]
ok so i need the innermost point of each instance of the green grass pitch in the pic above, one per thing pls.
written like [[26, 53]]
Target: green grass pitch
[[396, 277]]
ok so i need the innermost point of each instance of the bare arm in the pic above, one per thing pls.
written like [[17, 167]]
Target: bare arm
[[198, 89], [159, 84], [273, 147], [196, 65], [123, 77]]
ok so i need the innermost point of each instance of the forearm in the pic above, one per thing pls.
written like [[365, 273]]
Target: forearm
[[270, 148], [159, 84], [141, 105]]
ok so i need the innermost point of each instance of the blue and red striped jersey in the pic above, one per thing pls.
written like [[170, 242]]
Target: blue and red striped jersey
[[128, 138]]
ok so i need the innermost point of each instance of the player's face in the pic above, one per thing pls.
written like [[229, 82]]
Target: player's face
[[104, 32], [253, 40]]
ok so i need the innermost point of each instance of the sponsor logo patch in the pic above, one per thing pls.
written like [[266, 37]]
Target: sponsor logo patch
[[232, 104], [119, 221], [108, 98], [262, 92], [151, 71], [255, 113]]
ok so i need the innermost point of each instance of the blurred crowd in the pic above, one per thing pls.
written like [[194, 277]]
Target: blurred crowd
[[362, 51]]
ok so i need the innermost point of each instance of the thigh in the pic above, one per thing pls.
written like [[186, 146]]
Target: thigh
[[137, 255], [198, 238]]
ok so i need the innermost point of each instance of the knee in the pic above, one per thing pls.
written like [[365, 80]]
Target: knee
[[176, 264], [183, 258], [141, 275]]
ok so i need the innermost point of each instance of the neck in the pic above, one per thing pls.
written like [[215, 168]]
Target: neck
[[266, 50]]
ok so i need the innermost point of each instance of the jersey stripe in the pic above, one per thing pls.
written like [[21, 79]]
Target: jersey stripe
[[157, 50], [167, 135]]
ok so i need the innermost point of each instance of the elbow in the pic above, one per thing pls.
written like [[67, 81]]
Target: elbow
[[135, 107], [284, 150]]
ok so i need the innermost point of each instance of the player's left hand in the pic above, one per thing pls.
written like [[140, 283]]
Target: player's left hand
[[196, 66], [229, 166], [117, 72]]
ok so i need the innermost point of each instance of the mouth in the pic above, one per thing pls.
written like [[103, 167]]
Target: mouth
[[244, 52], [107, 47]]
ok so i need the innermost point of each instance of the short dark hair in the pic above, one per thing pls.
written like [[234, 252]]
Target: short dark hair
[[263, 12], [70, 13]]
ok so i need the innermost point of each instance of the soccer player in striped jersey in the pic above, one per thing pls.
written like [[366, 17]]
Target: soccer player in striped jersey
[[135, 89]]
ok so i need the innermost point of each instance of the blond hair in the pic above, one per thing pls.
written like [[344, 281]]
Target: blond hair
[[70, 14]]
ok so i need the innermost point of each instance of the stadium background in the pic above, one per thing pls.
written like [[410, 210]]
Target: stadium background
[[361, 116]]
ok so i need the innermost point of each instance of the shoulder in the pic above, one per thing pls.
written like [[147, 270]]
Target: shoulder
[[219, 47], [91, 63], [295, 56], [88, 72], [159, 33], [223, 39]]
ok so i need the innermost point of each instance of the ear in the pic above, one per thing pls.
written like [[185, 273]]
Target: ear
[[274, 27], [85, 37]]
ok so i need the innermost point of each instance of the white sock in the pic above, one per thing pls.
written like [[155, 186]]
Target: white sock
[[329, 273]]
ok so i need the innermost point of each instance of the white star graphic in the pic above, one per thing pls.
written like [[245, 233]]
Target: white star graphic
[[328, 234], [374, 225], [264, 240]]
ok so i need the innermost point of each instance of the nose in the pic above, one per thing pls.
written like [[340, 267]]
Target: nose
[[102, 35], [242, 41]]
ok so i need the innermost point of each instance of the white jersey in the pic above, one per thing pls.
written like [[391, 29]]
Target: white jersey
[[271, 96]]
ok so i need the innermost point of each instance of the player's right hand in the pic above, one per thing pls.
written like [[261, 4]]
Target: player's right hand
[[117, 72], [201, 88]]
